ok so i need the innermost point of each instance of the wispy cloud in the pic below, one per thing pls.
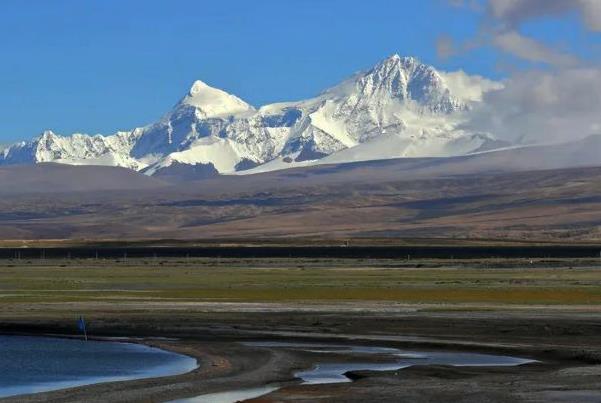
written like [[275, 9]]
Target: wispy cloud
[[535, 105], [515, 12], [502, 20], [531, 50], [445, 47]]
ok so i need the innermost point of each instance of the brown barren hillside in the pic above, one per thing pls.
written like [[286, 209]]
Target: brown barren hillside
[[363, 201]]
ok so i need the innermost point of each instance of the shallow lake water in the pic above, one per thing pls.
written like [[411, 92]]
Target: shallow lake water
[[39, 364], [327, 369]]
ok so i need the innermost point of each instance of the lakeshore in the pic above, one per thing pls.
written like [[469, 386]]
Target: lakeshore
[[208, 309]]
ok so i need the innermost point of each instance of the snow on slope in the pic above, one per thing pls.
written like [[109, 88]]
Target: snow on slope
[[222, 153], [214, 103], [77, 149], [399, 108]]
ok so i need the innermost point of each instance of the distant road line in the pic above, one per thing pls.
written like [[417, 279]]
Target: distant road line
[[355, 252]]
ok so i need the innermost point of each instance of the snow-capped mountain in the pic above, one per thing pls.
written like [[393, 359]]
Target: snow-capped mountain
[[77, 149], [399, 108]]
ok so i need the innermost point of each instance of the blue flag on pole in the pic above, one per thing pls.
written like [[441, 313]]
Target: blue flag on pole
[[81, 324]]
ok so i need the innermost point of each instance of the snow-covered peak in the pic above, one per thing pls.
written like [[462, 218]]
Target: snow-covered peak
[[395, 64], [197, 87], [409, 81], [396, 60], [213, 102], [47, 134]]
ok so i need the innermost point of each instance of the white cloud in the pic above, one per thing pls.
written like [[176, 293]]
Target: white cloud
[[541, 107], [553, 105], [467, 87]]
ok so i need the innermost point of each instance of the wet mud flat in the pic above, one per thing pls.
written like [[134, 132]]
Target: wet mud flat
[[569, 366]]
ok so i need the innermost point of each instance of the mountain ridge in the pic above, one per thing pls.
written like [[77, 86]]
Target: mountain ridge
[[399, 108]]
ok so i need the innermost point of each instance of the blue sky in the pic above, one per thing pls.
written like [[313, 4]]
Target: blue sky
[[97, 66]]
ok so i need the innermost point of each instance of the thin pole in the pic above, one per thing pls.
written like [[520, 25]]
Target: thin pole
[[81, 323]]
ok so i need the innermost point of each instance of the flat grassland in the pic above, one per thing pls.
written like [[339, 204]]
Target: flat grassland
[[448, 283]]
